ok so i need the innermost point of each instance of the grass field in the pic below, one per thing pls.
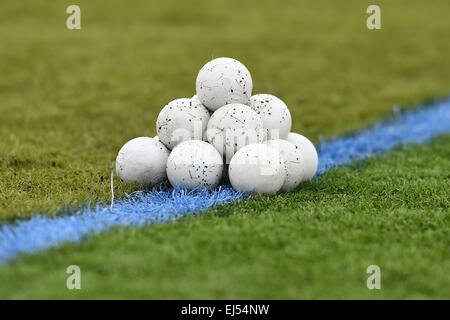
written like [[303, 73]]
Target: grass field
[[313, 243], [71, 99]]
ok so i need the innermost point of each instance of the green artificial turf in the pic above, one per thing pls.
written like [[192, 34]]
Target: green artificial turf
[[71, 99], [316, 242]]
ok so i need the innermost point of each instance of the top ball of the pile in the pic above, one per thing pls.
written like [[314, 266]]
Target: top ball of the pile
[[223, 81]]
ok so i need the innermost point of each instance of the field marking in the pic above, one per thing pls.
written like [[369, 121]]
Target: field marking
[[139, 209]]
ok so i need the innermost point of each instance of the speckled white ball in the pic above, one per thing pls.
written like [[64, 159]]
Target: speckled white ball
[[232, 127], [223, 81], [181, 120], [196, 100], [308, 152], [143, 161], [194, 163], [292, 160], [258, 168], [274, 113]]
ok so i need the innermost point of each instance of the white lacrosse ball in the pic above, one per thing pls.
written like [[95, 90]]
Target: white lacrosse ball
[[181, 120], [257, 168], [194, 163], [308, 152], [292, 160], [142, 161], [232, 127], [223, 81], [274, 114], [196, 100]]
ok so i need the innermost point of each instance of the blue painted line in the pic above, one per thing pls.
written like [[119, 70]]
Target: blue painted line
[[138, 209], [158, 206], [417, 126]]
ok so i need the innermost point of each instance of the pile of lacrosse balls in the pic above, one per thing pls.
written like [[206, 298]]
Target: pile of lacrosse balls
[[221, 135]]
